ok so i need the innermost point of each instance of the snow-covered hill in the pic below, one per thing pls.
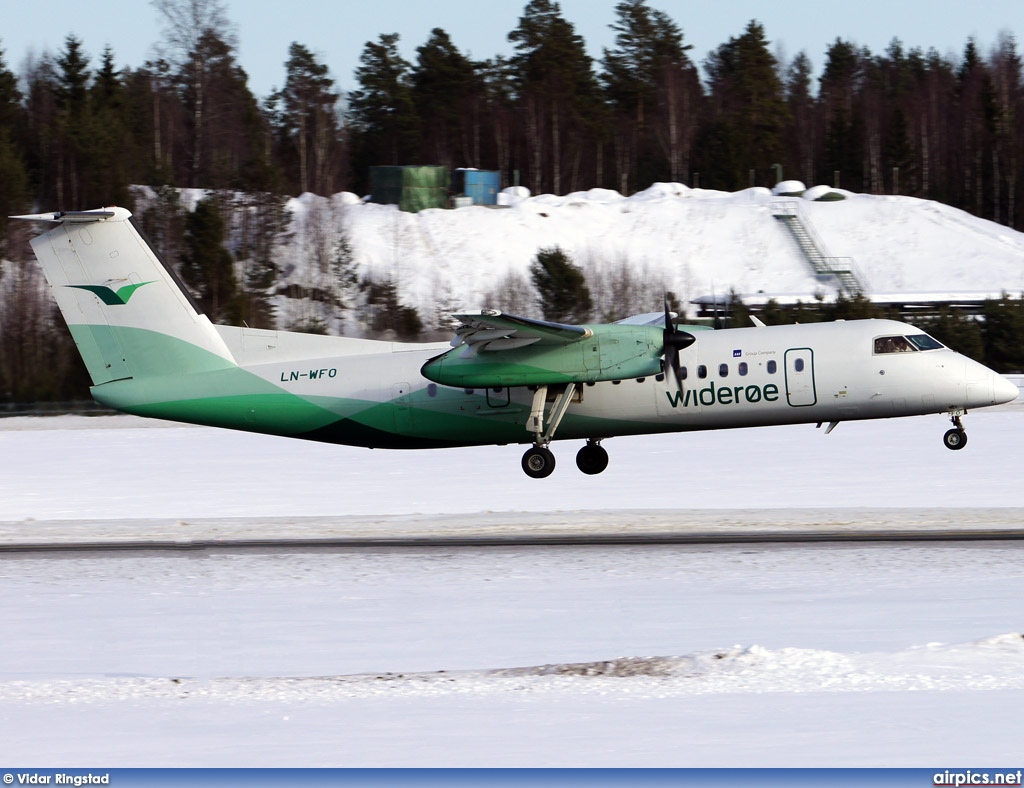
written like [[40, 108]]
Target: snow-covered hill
[[693, 242]]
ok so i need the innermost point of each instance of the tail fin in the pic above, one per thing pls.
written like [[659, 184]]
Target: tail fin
[[127, 311]]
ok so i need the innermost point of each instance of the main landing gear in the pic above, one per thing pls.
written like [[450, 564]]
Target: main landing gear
[[539, 461], [955, 438], [592, 458]]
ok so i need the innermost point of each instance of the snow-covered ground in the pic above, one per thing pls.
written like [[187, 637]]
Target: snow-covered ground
[[859, 655], [692, 242]]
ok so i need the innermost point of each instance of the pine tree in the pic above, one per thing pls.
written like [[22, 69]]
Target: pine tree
[[654, 94], [111, 150], [801, 126], [747, 107], [564, 295], [307, 123], [14, 192], [193, 30], [207, 266], [12, 116], [557, 94], [447, 94], [838, 101], [73, 124], [226, 150], [381, 111], [1004, 327]]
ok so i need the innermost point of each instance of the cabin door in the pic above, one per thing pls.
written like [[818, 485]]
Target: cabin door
[[800, 391]]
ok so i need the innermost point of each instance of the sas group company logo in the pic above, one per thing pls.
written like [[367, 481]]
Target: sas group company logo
[[112, 297]]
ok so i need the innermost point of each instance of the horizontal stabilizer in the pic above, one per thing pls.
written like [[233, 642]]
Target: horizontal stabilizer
[[66, 216]]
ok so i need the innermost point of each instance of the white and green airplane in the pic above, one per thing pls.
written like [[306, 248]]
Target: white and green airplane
[[151, 351]]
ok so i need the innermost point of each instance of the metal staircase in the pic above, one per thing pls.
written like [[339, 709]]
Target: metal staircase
[[841, 270]]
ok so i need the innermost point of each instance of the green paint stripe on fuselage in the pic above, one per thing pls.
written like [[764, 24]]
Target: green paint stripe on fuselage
[[237, 398]]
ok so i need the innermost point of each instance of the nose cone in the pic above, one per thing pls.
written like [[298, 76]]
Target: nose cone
[[985, 387], [1004, 390]]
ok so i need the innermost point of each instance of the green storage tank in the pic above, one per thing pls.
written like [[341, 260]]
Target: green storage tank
[[411, 188]]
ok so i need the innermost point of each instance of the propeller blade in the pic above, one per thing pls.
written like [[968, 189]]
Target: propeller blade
[[674, 340]]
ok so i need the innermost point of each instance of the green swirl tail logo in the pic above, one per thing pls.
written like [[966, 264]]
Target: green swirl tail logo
[[110, 297]]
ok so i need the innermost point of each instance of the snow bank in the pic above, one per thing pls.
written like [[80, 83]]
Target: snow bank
[[995, 663], [690, 241]]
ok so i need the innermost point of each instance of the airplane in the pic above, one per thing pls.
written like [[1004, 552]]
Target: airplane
[[151, 351]]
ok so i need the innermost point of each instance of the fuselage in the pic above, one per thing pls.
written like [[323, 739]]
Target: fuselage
[[368, 393], [150, 349]]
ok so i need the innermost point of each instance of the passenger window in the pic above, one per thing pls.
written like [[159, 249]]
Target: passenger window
[[742, 368], [723, 370], [702, 372], [893, 345], [683, 373], [431, 389], [772, 366], [798, 365]]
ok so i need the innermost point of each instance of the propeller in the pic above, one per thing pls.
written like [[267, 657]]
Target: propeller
[[674, 340]]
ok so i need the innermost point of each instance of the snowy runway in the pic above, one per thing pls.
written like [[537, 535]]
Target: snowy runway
[[712, 655]]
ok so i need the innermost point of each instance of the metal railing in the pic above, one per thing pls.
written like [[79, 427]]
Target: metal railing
[[850, 281]]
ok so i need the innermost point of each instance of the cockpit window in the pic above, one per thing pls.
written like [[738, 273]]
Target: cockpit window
[[925, 342], [909, 344], [893, 345]]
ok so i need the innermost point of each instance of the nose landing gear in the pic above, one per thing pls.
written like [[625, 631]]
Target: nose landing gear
[[955, 438]]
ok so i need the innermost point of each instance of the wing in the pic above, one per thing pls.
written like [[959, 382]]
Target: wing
[[490, 330], [491, 349], [646, 319]]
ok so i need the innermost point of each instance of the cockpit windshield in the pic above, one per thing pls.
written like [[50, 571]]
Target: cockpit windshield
[[925, 342], [907, 344]]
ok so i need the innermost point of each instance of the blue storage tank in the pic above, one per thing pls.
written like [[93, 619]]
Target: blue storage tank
[[482, 185]]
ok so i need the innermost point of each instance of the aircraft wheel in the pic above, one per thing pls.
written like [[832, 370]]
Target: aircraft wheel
[[955, 439], [538, 462], [592, 459]]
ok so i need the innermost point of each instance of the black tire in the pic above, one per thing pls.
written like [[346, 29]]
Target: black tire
[[538, 462], [592, 459], [955, 439]]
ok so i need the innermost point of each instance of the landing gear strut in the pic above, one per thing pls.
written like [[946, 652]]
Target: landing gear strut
[[538, 461], [955, 438]]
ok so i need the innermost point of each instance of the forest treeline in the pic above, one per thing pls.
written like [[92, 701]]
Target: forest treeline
[[77, 129]]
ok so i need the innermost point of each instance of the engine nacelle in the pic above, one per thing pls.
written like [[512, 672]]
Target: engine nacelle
[[610, 352]]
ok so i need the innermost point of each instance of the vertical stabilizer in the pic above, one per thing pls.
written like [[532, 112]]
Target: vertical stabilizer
[[126, 309]]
